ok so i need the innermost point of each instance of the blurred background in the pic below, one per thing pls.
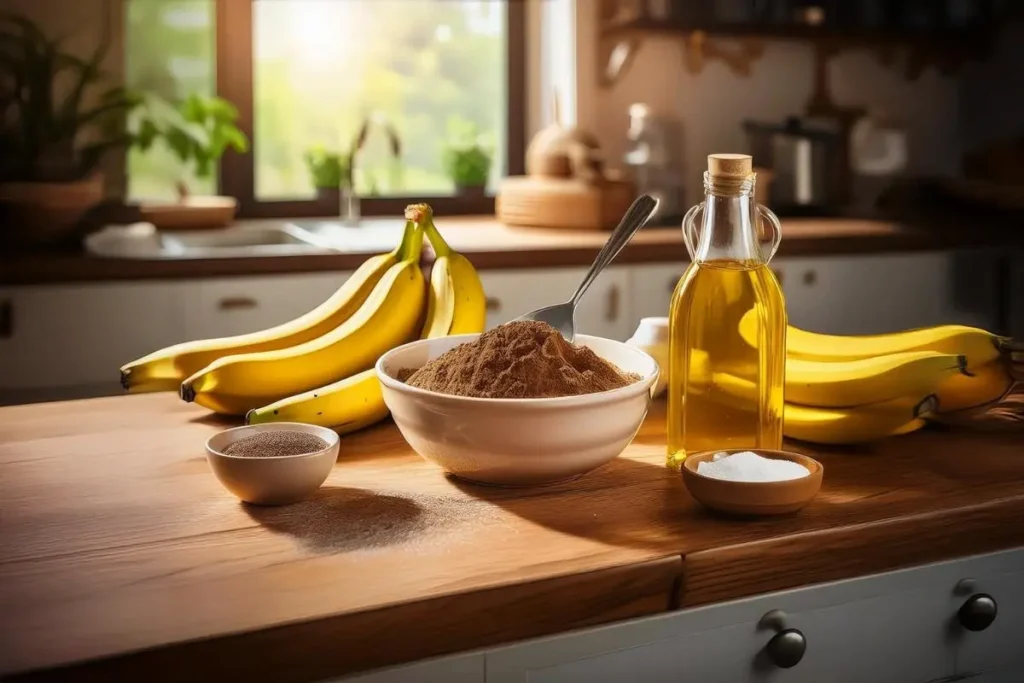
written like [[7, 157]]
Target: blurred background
[[180, 169]]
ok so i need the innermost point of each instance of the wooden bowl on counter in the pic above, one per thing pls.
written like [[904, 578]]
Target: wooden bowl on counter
[[753, 498], [191, 213]]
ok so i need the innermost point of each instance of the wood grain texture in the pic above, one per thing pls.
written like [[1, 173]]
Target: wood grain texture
[[119, 545], [492, 245]]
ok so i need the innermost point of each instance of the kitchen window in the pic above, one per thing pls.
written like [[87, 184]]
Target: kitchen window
[[308, 73]]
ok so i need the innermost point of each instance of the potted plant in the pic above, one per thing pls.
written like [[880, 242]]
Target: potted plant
[[198, 130], [52, 140], [467, 158], [331, 173]]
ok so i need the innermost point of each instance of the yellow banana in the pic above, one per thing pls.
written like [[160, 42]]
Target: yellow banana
[[353, 403], [984, 385], [978, 345], [852, 383], [868, 380], [856, 425], [164, 370], [456, 306], [390, 316]]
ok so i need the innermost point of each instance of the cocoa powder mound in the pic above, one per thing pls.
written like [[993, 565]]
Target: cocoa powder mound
[[524, 359]]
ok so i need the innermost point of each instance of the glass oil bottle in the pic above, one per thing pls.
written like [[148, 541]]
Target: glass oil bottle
[[724, 392]]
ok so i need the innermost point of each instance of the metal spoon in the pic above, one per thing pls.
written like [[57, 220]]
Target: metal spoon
[[563, 316]]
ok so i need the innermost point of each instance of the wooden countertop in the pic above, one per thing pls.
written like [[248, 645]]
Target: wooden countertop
[[120, 547], [492, 245]]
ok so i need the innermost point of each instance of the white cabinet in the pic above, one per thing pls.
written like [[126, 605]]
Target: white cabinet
[[604, 311], [887, 293], [228, 306], [880, 629], [69, 340], [652, 287], [458, 669], [997, 651]]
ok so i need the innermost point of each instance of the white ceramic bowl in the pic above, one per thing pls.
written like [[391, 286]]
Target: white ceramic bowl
[[274, 480], [517, 441]]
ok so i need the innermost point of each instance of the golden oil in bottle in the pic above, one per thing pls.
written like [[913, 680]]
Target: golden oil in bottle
[[722, 391]]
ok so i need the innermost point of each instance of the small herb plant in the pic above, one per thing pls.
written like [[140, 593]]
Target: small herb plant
[[467, 155], [47, 136], [328, 170], [198, 130]]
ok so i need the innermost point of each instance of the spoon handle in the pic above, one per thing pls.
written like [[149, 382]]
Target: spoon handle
[[638, 213]]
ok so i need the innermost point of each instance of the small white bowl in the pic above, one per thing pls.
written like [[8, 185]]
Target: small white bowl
[[517, 441], [651, 335], [274, 480]]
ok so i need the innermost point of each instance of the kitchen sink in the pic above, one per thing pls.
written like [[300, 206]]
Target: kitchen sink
[[142, 241]]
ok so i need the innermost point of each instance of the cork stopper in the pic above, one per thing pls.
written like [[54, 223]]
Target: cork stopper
[[730, 166]]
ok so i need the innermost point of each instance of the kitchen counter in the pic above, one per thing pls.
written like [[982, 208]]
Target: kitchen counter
[[120, 546], [492, 245]]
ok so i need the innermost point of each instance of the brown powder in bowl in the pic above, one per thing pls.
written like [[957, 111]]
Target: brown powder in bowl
[[275, 443], [524, 359]]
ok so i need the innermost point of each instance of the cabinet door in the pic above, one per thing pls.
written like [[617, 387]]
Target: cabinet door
[[457, 669], [880, 629], [876, 294], [228, 306], [69, 340], [604, 311], [998, 650], [652, 289]]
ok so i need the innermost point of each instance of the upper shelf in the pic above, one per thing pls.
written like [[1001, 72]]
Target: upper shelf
[[937, 38]]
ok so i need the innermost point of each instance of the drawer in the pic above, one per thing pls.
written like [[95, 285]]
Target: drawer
[[457, 669], [997, 651], [228, 306], [891, 627], [74, 338]]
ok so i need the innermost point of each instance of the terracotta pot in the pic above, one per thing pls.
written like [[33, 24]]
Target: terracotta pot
[[44, 214]]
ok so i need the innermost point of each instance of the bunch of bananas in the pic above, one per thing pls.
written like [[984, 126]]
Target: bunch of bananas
[[850, 389], [318, 368]]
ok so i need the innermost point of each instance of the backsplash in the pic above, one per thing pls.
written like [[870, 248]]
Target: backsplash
[[713, 104]]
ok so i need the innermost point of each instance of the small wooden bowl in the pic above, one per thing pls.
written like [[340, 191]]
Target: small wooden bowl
[[753, 498]]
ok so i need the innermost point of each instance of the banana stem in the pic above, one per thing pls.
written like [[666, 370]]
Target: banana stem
[[412, 242], [423, 215]]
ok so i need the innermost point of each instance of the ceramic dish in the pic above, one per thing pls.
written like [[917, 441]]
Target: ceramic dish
[[518, 441], [753, 498], [275, 480]]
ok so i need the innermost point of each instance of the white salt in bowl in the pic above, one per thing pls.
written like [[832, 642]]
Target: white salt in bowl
[[753, 498], [273, 480], [517, 441]]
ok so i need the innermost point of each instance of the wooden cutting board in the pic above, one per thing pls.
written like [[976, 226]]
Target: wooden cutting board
[[563, 202]]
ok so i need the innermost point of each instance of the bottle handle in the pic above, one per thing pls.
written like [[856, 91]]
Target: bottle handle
[[767, 215], [690, 229]]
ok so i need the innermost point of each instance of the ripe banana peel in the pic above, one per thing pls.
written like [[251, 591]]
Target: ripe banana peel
[[346, 406], [979, 346], [456, 305], [390, 316], [856, 425], [164, 370]]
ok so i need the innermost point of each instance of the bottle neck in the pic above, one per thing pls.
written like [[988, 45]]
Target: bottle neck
[[728, 232]]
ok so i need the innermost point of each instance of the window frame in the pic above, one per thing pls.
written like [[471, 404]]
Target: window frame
[[234, 79]]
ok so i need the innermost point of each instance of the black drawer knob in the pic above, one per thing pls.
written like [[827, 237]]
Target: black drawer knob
[[786, 648], [978, 613]]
